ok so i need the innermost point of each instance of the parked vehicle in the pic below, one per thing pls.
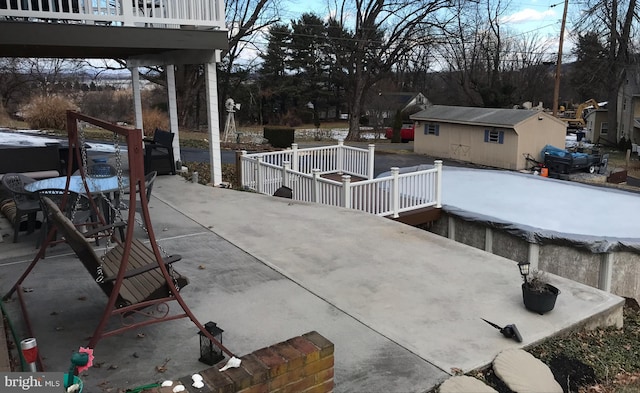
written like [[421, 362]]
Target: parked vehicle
[[560, 161], [407, 132]]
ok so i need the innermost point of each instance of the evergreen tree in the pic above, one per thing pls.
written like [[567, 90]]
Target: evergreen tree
[[590, 65], [274, 89], [309, 63]]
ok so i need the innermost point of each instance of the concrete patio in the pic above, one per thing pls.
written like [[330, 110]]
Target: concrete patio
[[402, 306]]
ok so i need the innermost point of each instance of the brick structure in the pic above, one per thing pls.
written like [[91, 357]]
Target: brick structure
[[303, 364]]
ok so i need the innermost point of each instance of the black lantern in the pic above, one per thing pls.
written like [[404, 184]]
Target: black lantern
[[209, 352], [524, 269]]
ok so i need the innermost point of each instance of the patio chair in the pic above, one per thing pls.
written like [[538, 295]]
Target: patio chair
[[158, 153], [26, 204], [149, 179]]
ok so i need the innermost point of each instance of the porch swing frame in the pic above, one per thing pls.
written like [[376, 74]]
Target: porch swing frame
[[135, 155]]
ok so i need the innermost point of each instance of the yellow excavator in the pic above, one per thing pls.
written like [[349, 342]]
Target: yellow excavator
[[575, 119]]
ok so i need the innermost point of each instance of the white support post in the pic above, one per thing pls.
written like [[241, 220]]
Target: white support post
[[173, 113], [340, 157], [294, 157], [395, 191], [451, 228], [488, 240], [285, 173], [315, 186], [371, 161], [243, 175], [137, 97], [438, 165], [346, 191], [214, 123], [605, 273], [259, 180]]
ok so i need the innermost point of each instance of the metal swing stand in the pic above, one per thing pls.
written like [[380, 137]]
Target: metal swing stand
[[135, 156]]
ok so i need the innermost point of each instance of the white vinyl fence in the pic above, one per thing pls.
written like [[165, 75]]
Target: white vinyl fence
[[301, 170]]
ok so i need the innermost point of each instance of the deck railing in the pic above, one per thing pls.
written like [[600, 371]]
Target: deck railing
[[327, 159], [147, 13], [267, 172]]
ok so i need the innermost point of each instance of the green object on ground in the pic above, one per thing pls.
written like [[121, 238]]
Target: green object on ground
[[144, 387], [75, 380]]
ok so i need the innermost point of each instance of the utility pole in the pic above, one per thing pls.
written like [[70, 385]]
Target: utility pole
[[556, 89]]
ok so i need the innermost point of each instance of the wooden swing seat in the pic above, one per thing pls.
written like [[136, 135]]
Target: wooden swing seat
[[143, 279]]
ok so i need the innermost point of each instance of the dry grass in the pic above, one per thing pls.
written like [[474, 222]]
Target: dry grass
[[618, 161], [48, 112], [154, 118]]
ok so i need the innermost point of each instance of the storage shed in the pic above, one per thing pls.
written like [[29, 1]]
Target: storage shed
[[486, 136]]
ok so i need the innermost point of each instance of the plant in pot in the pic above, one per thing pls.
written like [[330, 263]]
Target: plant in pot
[[538, 295]]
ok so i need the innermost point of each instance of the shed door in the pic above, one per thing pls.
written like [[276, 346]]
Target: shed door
[[460, 147]]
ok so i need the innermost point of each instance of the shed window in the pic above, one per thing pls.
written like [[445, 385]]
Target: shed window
[[604, 128], [432, 129], [494, 136]]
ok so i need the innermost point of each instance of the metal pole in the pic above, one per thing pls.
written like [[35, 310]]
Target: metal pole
[[556, 88]]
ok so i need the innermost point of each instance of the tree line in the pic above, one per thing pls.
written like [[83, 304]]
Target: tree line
[[457, 52], [311, 68]]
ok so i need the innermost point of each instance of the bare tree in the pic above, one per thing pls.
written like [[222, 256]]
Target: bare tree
[[46, 73], [461, 49], [617, 20], [381, 32], [245, 20], [14, 80]]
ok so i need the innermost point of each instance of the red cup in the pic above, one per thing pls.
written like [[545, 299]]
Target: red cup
[[29, 351]]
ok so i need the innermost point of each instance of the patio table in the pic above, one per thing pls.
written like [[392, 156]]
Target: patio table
[[98, 186]]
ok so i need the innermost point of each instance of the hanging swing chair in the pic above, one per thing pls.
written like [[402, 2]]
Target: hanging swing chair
[[133, 276]]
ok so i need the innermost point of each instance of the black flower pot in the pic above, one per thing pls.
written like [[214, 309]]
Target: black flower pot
[[537, 301]]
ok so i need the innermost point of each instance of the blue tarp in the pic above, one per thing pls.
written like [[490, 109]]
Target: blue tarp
[[557, 152]]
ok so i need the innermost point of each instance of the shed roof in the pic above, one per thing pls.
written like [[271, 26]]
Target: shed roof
[[476, 116]]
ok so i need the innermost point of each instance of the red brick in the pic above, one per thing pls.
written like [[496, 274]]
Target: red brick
[[315, 367], [240, 377], [285, 379], [326, 387], [300, 385], [276, 363], [324, 375], [326, 346], [294, 358], [306, 347], [216, 381], [258, 371], [261, 388]]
